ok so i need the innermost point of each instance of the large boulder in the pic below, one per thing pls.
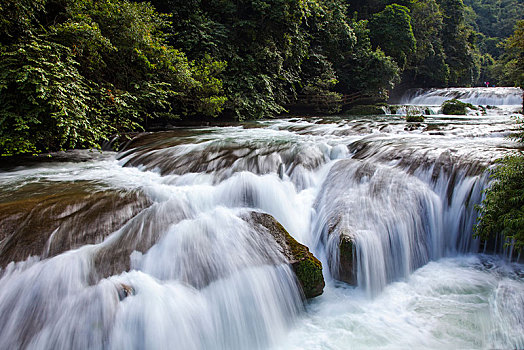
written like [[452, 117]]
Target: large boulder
[[342, 252], [306, 266], [46, 219]]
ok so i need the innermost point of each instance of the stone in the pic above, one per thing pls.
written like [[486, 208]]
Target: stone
[[307, 268], [46, 219]]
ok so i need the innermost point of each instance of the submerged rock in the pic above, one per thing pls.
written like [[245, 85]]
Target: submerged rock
[[46, 219], [306, 266]]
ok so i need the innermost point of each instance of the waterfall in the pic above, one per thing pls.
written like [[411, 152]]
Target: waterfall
[[152, 247], [490, 96]]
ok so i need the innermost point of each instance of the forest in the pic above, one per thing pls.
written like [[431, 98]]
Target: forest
[[74, 73]]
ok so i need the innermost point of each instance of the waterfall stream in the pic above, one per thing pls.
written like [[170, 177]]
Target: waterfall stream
[[150, 248], [477, 96]]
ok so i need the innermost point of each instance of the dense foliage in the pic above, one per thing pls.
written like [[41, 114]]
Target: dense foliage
[[391, 30], [279, 51], [494, 21], [510, 68], [502, 211], [75, 72]]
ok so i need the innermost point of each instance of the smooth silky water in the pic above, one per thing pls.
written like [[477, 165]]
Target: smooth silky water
[[201, 279]]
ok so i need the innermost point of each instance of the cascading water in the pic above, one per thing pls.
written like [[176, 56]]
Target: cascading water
[[169, 260], [490, 96]]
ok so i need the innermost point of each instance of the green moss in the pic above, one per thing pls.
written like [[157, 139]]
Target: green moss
[[306, 266], [456, 107], [415, 118], [309, 274], [365, 110]]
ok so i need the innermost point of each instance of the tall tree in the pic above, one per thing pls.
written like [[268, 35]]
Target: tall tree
[[77, 72], [513, 60], [391, 30], [428, 66], [458, 43]]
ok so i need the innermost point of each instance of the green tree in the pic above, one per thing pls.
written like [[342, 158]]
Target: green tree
[[44, 100], [92, 69], [495, 20], [428, 67], [459, 44], [511, 66], [366, 8], [262, 41], [391, 30], [365, 70]]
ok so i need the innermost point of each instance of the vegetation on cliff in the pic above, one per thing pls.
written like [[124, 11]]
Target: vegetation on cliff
[[502, 211], [75, 72]]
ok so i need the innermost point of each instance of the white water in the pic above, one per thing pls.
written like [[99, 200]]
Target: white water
[[489, 96], [209, 281]]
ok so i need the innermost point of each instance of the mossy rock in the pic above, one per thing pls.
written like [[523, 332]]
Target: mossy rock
[[456, 107], [366, 110], [415, 118], [306, 266]]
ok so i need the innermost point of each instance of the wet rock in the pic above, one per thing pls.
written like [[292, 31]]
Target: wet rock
[[46, 219], [139, 235], [364, 207], [306, 266], [225, 157], [346, 271], [415, 119], [124, 291]]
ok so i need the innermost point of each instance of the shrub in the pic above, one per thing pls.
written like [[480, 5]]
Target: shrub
[[456, 107], [502, 211]]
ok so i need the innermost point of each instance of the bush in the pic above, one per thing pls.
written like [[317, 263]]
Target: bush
[[415, 118], [456, 107], [502, 211]]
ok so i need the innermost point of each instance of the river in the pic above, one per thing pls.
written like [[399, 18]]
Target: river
[[149, 248]]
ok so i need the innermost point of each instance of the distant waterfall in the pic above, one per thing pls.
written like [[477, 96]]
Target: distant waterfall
[[492, 96]]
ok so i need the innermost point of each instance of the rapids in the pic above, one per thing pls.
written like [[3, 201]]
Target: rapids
[[488, 96], [166, 261]]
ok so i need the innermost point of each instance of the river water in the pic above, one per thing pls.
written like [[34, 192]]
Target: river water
[[149, 248]]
